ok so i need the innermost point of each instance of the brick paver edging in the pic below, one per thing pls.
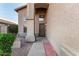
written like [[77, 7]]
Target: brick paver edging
[[49, 50]]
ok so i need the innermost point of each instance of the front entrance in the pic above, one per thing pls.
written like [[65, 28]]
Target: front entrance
[[42, 30], [41, 26], [40, 14]]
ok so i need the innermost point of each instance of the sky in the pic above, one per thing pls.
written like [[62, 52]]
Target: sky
[[7, 10]]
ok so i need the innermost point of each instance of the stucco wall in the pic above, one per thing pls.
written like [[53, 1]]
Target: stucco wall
[[30, 30], [20, 23], [23, 11], [36, 22], [30, 11], [63, 26], [3, 28]]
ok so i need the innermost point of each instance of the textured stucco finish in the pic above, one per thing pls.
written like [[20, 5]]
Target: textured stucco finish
[[63, 26], [36, 24], [3, 28], [30, 30], [21, 23], [23, 11], [30, 11]]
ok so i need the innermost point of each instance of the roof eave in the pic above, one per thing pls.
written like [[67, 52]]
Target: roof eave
[[19, 8]]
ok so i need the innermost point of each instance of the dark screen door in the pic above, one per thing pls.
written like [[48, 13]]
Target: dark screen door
[[42, 30]]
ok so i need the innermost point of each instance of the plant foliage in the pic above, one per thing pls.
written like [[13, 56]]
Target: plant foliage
[[6, 41]]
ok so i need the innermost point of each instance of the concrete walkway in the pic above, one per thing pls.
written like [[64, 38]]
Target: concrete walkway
[[37, 49], [23, 51], [41, 47]]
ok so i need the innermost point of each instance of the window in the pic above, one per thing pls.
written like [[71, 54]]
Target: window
[[41, 18]]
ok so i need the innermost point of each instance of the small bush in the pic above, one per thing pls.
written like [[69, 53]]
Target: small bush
[[13, 29], [6, 41]]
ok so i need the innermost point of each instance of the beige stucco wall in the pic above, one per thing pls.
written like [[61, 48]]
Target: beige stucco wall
[[30, 26], [36, 22], [30, 30], [3, 28], [23, 11], [20, 23], [30, 10], [26, 18], [63, 27]]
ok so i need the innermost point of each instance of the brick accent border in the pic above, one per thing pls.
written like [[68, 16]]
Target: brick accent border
[[49, 50]]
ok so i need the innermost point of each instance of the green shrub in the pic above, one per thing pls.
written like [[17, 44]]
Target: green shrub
[[1, 52], [13, 29], [6, 41]]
